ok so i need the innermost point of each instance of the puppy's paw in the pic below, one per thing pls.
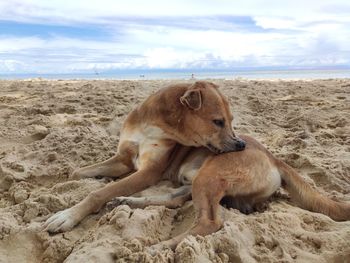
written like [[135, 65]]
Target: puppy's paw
[[62, 221]]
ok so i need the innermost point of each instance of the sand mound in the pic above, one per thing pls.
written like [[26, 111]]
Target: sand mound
[[50, 128]]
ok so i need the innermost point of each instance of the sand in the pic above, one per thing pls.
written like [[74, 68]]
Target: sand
[[50, 128]]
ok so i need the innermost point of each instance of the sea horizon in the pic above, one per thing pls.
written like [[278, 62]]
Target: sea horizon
[[288, 74]]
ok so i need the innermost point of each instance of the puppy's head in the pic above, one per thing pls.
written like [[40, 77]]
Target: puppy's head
[[208, 119]]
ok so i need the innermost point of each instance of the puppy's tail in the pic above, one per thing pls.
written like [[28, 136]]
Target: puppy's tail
[[308, 198]]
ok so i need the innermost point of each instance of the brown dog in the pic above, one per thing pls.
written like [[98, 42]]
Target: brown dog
[[191, 115], [248, 177]]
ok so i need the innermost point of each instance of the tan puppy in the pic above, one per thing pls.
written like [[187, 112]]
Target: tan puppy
[[248, 177], [191, 115]]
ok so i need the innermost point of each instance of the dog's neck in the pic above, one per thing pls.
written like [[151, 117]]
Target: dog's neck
[[165, 110]]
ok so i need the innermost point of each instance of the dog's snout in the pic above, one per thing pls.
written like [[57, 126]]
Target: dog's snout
[[235, 144], [240, 145]]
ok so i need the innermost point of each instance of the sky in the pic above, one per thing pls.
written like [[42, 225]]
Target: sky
[[59, 36]]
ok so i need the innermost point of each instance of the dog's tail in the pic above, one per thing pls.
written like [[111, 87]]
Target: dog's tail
[[308, 198]]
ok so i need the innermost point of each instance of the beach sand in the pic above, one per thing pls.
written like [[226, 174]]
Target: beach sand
[[50, 128]]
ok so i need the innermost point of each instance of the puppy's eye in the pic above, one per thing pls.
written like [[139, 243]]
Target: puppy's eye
[[219, 123]]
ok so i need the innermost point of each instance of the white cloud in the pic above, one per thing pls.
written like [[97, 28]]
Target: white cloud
[[275, 22], [11, 65], [175, 48], [178, 34], [99, 10]]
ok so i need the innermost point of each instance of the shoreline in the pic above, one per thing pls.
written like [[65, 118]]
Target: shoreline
[[180, 79], [187, 75]]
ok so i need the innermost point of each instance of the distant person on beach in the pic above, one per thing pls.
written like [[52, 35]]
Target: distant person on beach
[[192, 76]]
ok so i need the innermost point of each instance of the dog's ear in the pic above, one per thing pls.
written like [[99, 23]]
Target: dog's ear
[[204, 85], [192, 99]]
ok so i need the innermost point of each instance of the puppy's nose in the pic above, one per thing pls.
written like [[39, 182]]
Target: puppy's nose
[[240, 145]]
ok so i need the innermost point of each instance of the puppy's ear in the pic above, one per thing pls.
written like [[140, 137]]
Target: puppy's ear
[[204, 85], [192, 99]]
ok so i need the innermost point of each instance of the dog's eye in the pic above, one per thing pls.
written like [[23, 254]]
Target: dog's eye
[[219, 123]]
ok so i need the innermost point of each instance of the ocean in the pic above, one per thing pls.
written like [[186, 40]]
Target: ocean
[[159, 74]]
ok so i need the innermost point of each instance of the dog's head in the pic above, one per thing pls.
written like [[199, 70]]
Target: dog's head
[[208, 118]]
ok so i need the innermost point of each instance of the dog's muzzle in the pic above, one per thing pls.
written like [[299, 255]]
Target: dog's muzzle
[[240, 145], [234, 144]]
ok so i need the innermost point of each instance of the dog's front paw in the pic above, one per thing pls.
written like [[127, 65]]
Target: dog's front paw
[[61, 221]]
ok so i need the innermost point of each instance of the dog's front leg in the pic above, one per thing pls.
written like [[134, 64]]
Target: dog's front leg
[[138, 181]]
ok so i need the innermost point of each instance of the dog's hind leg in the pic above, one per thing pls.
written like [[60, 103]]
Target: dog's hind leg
[[172, 200], [112, 167], [207, 192], [116, 166]]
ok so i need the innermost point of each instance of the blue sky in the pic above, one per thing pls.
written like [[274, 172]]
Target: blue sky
[[59, 36]]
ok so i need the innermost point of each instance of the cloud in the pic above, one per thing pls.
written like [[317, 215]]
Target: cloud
[[72, 36], [97, 10]]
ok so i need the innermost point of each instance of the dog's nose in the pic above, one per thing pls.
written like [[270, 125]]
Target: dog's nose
[[240, 145]]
